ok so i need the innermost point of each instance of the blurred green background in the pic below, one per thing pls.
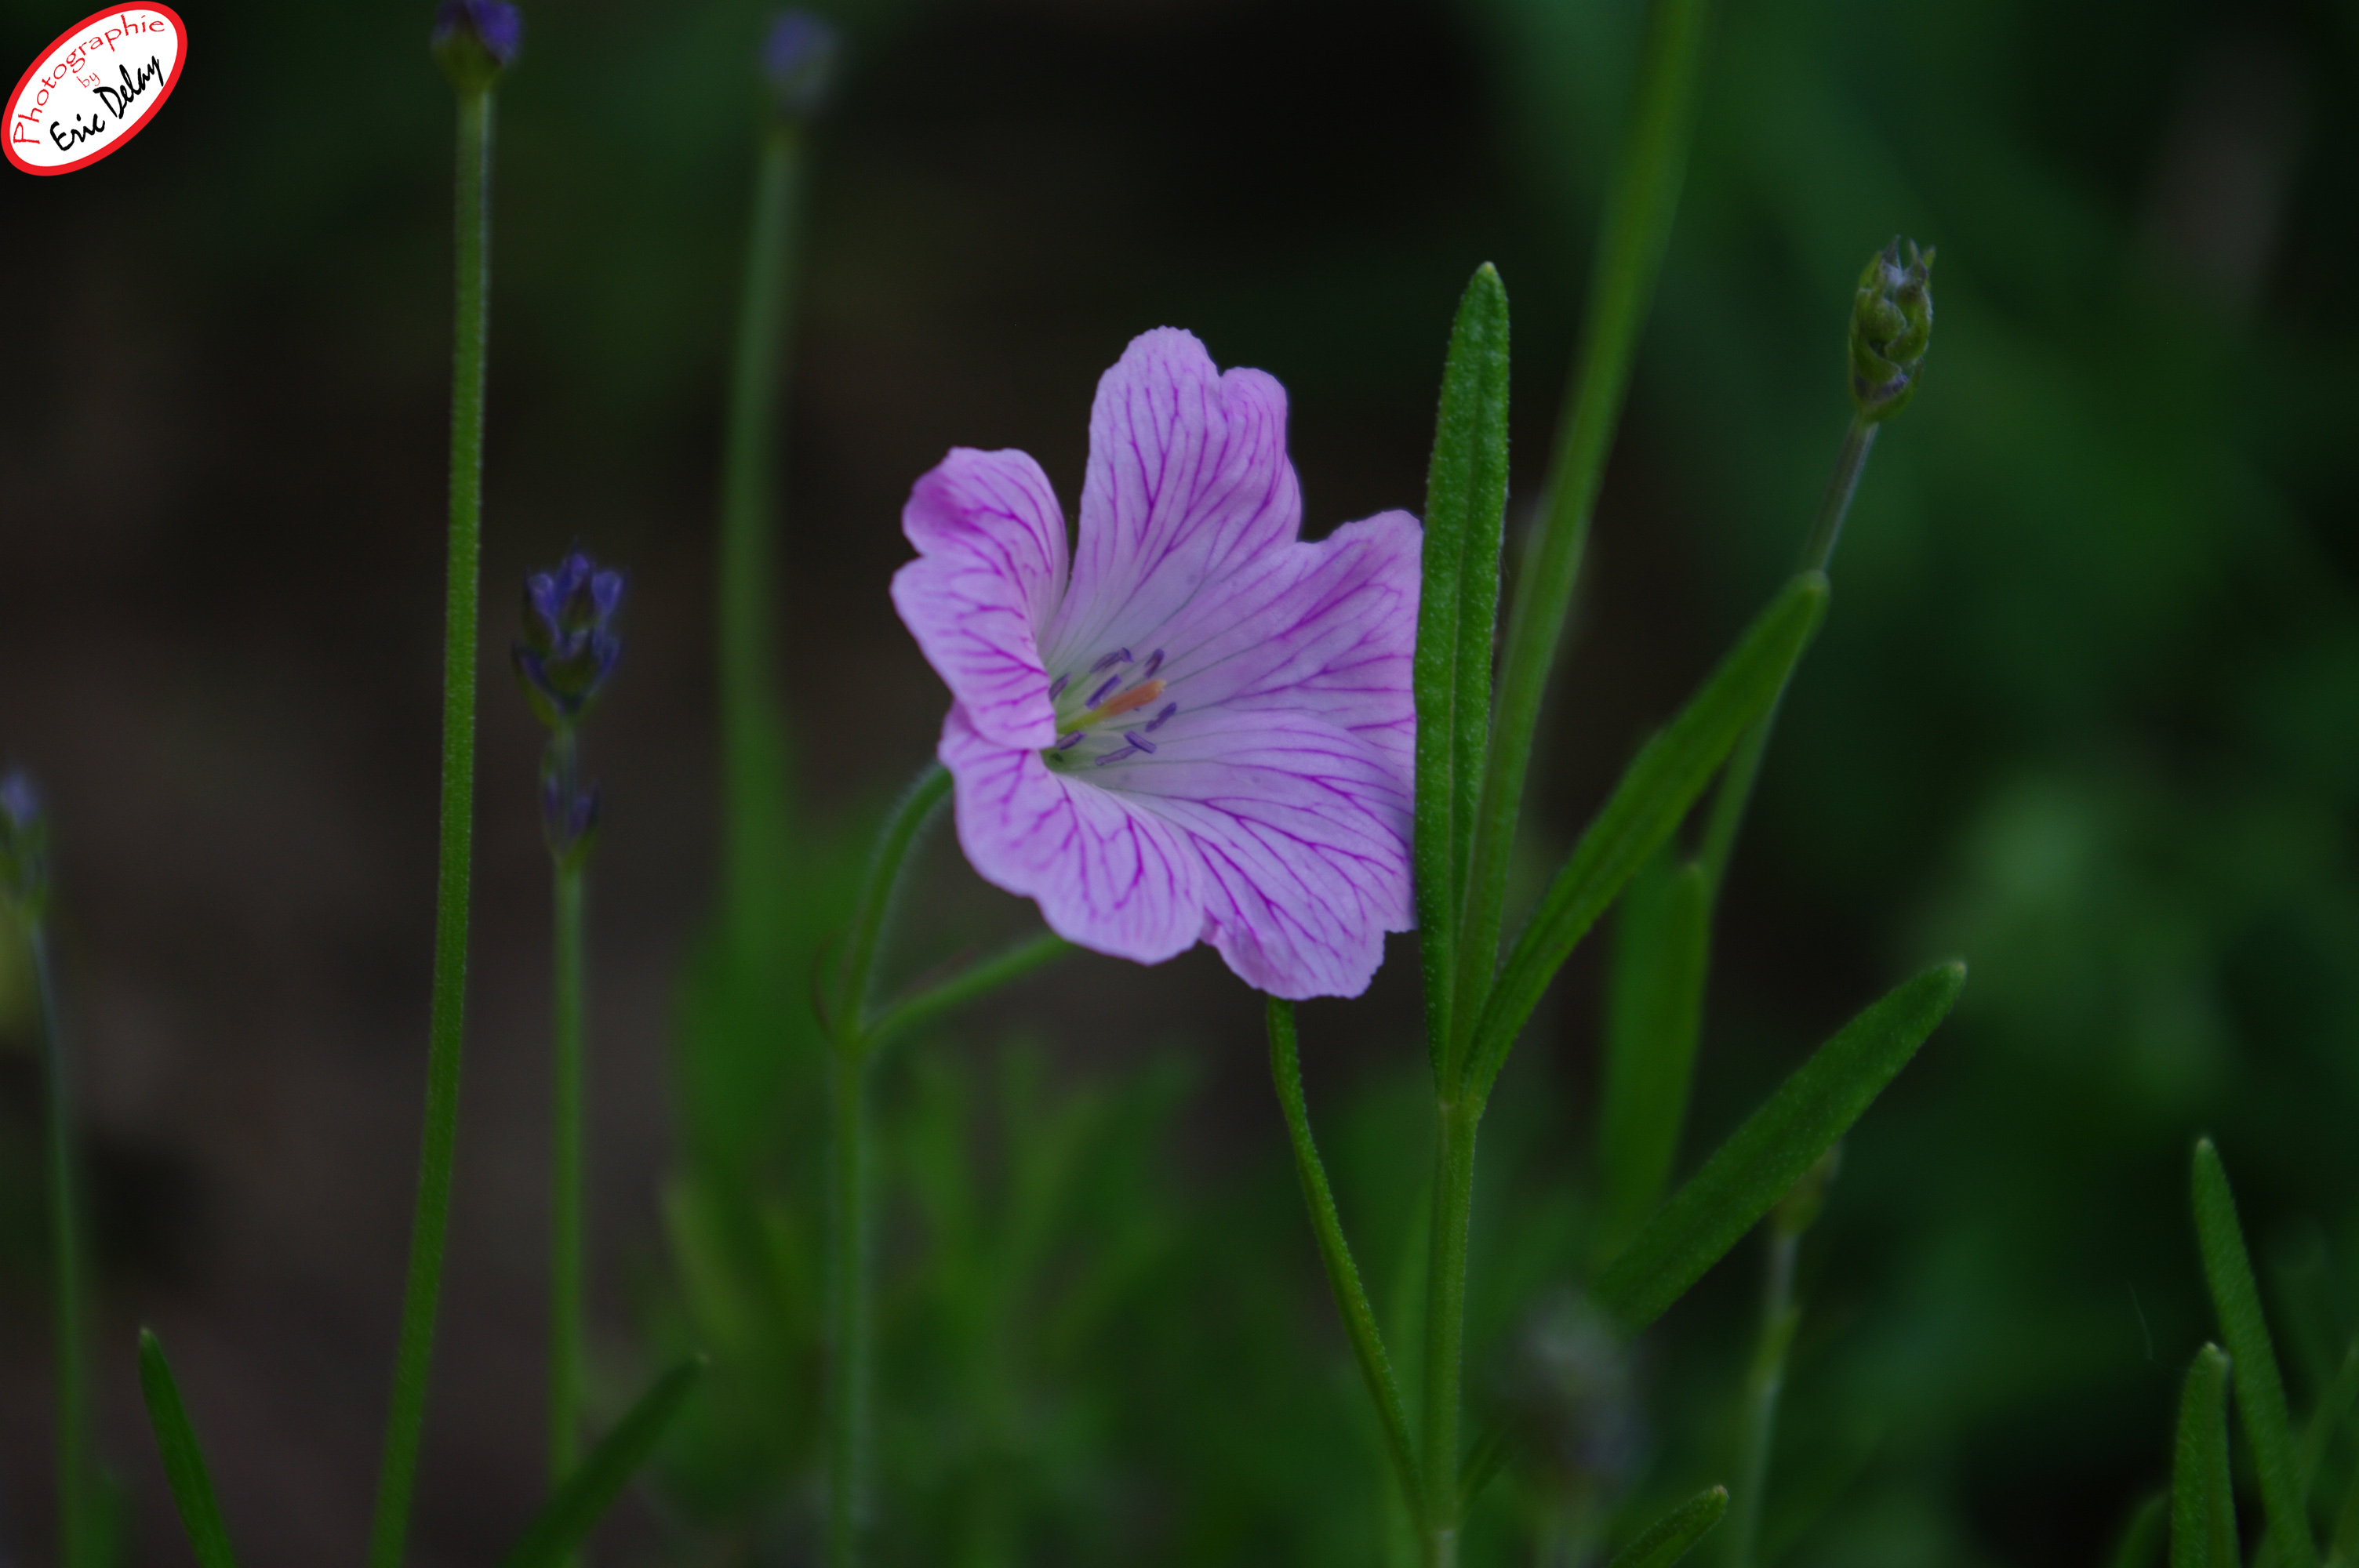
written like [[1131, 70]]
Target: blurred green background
[[2086, 711]]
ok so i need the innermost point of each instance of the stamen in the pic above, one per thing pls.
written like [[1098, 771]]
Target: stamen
[[1159, 720], [1101, 710], [1119, 656], [1154, 663], [1099, 695], [1140, 742], [1057, 687], [1070, 741], [1113, 756]]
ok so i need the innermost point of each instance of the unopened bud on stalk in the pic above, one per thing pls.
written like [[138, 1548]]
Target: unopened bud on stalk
[[569, 647], [1891, 322], [473, 40], [24, 845], [799, 63]]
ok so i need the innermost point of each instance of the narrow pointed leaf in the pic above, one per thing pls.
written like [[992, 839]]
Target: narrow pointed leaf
[[1670, 1537], [591, 1489], [1764, 1158], [1335, 1251], [2260, 1390], [1653, 1005], [184, 1462], [1482, 1463], [2326, 1419], [2202, 1494], [2142, 1540], [1466, 502], [1646, 807]]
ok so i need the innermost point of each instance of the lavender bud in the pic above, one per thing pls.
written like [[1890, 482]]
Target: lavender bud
[[568, 646], [1891, 323], [799, 63], [473, 40], [24, 844]]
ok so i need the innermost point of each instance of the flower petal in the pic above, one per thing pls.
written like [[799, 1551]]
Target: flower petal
[[1303, 829], [1106, 874], [1188, 483], [989, 573], [1329, 627]]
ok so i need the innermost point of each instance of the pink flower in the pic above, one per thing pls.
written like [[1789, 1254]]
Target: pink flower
[[1205, 733]]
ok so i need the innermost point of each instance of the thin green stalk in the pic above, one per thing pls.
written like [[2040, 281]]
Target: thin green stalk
[[1445, 1324], [900, 832], [1763, 1384], [1630, 247], [77, 1524], [1744, 764], [566, 1179], [851, 1287], [1335, 1251], [405, 1422], [753, 737], [976, 981]]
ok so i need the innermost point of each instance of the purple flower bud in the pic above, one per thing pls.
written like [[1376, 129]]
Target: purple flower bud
[[473, 40], [799, 63], [24, 843], [569, 647]]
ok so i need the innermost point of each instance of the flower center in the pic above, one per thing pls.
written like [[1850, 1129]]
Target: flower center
[[1102, 714]]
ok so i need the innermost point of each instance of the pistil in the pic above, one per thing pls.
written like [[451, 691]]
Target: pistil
[[1138, 697]]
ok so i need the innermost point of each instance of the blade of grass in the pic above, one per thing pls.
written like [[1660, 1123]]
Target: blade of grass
[[1674, 1535], [1654, 1010], [1646, 808], [568, 1517], [1335, 1251], [184, 1461], [2260, 1390], [1465, 504], [1631, 240], [2142, 1538], [2202, 1494], [1763, 1158]]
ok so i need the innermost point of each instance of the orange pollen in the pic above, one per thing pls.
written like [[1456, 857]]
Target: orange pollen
[[1138, 697]]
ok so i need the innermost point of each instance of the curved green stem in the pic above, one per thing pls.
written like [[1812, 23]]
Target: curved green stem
[[978, 979], [77, 1533], [1335, 1251], [1630, 246], [405, 1422], [1744, 764], [753, 739], [851, 1290], [918, 804], [566, 1196]]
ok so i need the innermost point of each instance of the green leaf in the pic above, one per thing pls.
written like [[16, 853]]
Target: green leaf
[[1335, 1251], [591, 1489], [1484, 1462], [1670, 1537], [184, 1462], [1653, 1006], [2326, 1419], [2141, 1539], [2260, 1392], [2202, 1496], [1763, 1158], [1654, 793], [1465, 505]]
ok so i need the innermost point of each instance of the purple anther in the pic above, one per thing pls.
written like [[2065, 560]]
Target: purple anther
[[1057, 687], [1140, 742], [1119, 656], [1101, 693], [1154, 663], [1070, 741], [1161, 718], [1116, 755]]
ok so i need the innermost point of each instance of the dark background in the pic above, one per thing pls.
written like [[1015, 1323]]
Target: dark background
[[2087, 711]]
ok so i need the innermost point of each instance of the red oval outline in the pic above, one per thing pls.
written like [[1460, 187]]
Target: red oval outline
[[180, 62]]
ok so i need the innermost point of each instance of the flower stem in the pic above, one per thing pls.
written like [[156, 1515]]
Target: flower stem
[[77, 1533], [1630, 246], [900, 832], [753, 737], [566, 1179], [978, 979], [1445, 1325], [405, 1422], [850, 1305], [1763, 1384], [1744, 764]]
